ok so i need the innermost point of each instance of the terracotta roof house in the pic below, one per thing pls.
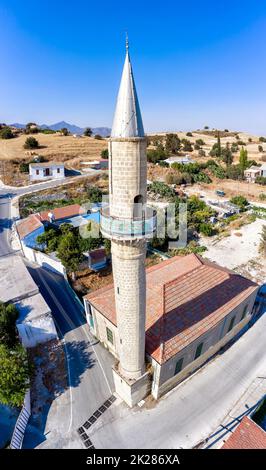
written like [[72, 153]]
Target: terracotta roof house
[[247, 435], [194, 307]]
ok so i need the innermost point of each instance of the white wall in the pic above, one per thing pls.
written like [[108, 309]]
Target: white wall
[[43, 260], [41, 176], [39, 330]]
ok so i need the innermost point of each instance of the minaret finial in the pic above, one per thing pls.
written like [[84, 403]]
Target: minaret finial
[[127, 44]]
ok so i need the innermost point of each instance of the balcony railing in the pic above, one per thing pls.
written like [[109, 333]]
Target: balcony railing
[[144, 227]]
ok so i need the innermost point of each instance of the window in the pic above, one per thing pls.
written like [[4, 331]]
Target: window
[[109, 335], [58, 170], [198, 351], [231, 324], [37, 172], [138, 207], [244, 313], [178, 366]]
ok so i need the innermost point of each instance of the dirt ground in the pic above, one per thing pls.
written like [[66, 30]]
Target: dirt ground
[[49, 380], [239, 251], [252, 147], [68, 149], [88, 281], [231, 188]]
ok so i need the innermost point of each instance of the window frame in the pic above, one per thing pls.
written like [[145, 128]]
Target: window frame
[[231, 324], [180, 361], [109, 334], [198, 351]]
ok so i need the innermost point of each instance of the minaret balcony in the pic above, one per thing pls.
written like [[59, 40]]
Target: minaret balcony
[[128, 229]]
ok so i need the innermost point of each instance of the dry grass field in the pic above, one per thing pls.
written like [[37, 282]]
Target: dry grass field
[[68, 149], [54, 147], [252, 147]]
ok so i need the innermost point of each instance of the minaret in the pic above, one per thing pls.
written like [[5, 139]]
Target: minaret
[[128, 223]]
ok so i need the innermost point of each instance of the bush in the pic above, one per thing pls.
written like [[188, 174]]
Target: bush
[[94, 194], [14, 375], [201, 153], [240, 201], [202, 178], [189, 134], [31, 143], [234, 172], [206, 229], [261, 180], [98, 137], [24, 167], [156, 155], [162, 189], [262, 139], [105, 154], [8, 330], [260, 148], [200, 142], [6, 133]]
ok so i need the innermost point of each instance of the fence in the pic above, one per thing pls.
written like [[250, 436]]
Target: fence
[[21, 424]]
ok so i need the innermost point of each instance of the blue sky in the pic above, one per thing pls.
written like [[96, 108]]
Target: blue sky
[[196, 63]]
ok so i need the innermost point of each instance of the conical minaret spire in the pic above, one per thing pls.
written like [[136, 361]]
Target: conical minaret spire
[[127, 119]]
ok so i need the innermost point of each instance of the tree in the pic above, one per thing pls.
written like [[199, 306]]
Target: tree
[[172, 143], [200, 142], [24, 167], [68, 252], [227, 156], [105, 154], [216, 150], [64, 131], [187, 146], [14, 375], [262, 246], [6, 133], [87, 132], [107, 246], [262, 139], [49, 238], [243, 159], [31, 143], [8, 330], [156, 155], [206, 127], [240, 201], [94, 194], [31, 128]]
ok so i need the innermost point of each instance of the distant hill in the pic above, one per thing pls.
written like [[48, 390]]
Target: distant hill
[[103, 131]]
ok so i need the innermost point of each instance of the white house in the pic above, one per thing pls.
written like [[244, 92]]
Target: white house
[[48, 170], [182, 160], [255, 171]]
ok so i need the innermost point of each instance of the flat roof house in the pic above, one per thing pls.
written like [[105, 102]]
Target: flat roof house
[[254, 171], [194, 307], [47, 170]]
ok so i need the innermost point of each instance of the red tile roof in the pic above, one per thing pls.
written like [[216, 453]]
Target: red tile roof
[[63, 212], [28, 225], [248, 435], [186, 296]]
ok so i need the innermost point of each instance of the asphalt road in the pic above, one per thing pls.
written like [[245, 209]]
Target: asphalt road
[[89, 364]]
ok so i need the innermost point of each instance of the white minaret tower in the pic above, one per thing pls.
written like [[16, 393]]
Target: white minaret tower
[[128, 223]]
